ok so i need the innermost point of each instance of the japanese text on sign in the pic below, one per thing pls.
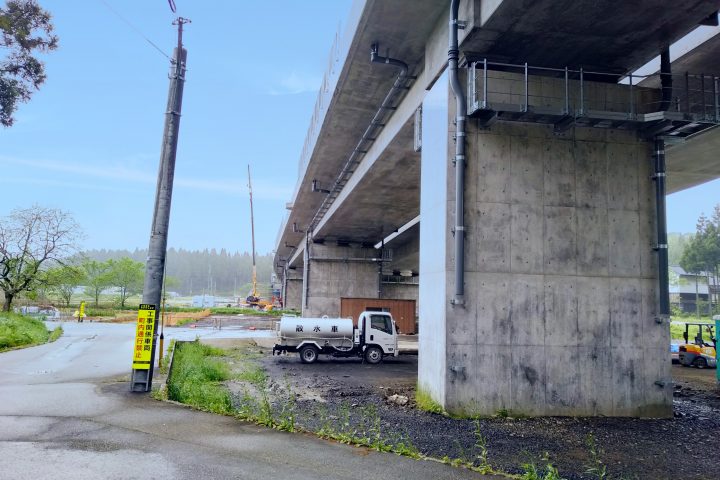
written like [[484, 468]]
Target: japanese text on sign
[[142, 348]]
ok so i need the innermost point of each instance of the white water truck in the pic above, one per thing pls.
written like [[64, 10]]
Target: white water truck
[[374, 338]]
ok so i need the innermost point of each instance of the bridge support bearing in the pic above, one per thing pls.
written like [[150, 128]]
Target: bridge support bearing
[[561, 276]]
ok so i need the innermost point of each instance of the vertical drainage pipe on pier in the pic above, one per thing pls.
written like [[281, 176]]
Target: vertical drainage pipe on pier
[[659, 176], [661, 222], [666, 82], [459, 160]]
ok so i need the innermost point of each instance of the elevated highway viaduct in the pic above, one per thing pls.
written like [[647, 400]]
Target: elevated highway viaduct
[[535, 248]]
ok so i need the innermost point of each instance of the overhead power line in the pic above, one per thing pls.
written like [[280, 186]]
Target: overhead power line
[[137, 30]]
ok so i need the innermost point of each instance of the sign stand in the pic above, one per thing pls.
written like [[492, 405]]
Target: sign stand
[[142, 365]]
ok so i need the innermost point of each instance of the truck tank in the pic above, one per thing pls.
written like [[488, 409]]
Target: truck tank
[[319, 329]]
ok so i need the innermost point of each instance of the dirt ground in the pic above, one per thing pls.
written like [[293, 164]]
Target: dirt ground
[[344, 391]]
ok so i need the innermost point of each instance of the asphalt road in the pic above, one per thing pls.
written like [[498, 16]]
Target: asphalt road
[[66, 412]]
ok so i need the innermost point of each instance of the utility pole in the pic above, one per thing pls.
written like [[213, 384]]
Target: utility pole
[[141, 380]]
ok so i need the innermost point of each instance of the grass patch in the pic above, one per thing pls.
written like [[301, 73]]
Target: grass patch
[[100, 312], [166, 359], [254, 374], [197, 376], [21, 331], [55, 334], [424, 402]]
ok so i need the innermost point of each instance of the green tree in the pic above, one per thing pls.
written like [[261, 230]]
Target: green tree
[[30, 240], [97, 278], [676, 246], [127, 275], [26, 31], [702, 253], [63, 280]]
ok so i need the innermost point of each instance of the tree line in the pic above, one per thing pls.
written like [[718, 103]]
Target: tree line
[[195, 272]]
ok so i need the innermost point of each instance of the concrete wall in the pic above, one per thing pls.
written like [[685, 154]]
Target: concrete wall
[[293, 290], [333, 272], [560, 279], [400, 291], [434, 194]]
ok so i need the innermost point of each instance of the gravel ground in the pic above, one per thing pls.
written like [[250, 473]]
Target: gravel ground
[[354, 398], [339, 390]]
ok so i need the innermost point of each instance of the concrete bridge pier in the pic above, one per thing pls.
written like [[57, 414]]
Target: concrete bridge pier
[[292, 289], [334, 271], [560, 313]]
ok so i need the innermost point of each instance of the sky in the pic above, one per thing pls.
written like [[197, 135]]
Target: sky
[[89, 141]]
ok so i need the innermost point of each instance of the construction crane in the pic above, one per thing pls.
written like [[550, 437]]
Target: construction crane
[[253, 299]]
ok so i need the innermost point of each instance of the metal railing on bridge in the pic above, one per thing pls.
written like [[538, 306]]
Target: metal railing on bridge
[[577, 97]]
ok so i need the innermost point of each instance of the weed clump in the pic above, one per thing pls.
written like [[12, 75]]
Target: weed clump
[[55, 334], [196, 378], [424, 401], [548, 472]]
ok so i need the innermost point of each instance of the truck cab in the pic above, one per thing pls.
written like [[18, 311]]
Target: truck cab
[[378, 336]]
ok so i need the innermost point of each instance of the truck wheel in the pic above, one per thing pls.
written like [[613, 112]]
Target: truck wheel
[[700, 362], [373, 355], [308, 354]]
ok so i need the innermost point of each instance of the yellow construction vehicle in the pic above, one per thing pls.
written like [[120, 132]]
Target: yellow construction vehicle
[[701, 351]]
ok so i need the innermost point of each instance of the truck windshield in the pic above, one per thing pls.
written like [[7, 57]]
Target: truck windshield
[[382, 323]]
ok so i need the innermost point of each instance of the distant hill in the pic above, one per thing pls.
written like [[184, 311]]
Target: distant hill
[[203, 271]]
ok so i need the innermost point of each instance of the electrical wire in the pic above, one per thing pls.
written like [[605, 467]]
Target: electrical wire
[[137, 30]]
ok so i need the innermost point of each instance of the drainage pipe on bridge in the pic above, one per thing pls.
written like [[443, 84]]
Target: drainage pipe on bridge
[[660, 190], [666, 82], [399, 81], [661, 225], [459, 160]]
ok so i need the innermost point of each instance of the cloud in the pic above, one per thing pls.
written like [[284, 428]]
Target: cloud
[[297, 82], [84, 173]]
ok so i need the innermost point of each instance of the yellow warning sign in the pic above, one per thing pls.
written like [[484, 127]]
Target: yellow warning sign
[[142, 349]]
